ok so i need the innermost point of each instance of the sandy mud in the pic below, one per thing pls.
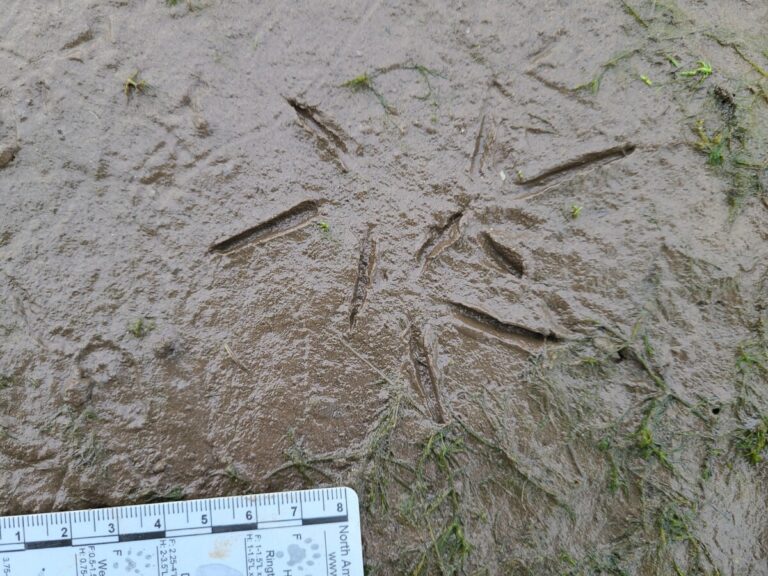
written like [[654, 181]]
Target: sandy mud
[[500, 267]]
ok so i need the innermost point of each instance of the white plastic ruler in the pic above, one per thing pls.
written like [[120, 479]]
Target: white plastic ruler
[[305, 533]]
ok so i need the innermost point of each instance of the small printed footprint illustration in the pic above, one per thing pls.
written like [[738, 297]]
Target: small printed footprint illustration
[[135, 563], [299, 556]]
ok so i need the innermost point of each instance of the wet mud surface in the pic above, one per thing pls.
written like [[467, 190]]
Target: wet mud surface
[[501, 268]]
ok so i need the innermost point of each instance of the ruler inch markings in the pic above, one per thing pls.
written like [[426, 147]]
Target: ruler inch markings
[[328, 513]]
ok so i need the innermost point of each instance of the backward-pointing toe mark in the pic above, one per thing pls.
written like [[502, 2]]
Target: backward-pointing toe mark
[[366, 265]]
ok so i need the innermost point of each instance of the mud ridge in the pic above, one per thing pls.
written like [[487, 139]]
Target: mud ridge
[[488, 323], [331, 138], [504, 256], [366, 265], [598, 157], [440, 238], [427, 381], [285, 222]]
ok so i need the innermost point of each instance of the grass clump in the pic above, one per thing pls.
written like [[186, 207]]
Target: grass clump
[[134, 85], [575, 211], [617, 478], [675, 523], [750, 355], [436, 499], [140, 327], [325, 228], [736, 148], [6, 381], [713, 146], [729, 150], [590, 361], [648, 446], [594, 563], [753, 440]]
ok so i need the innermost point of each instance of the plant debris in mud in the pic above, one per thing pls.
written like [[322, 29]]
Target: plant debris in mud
[[575, 211], [140, 327], [753, 440], [366, 82], [133, 85], [702, 71], [593, 85], [733, 149]]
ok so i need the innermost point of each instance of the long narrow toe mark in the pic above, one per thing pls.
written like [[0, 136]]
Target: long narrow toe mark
[[285, 222], [366, 265], [583, 161], [427, 380], [509, 259]]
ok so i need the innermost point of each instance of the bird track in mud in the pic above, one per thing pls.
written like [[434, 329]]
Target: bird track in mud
[[331, 139], [366, 266], [485, 137], [427, 381], [287, 221], [476, 161], [599, 157], [440, 238], [488, 323], [510, 260]]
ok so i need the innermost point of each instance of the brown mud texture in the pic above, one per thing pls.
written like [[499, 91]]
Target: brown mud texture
[[499, 266]]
